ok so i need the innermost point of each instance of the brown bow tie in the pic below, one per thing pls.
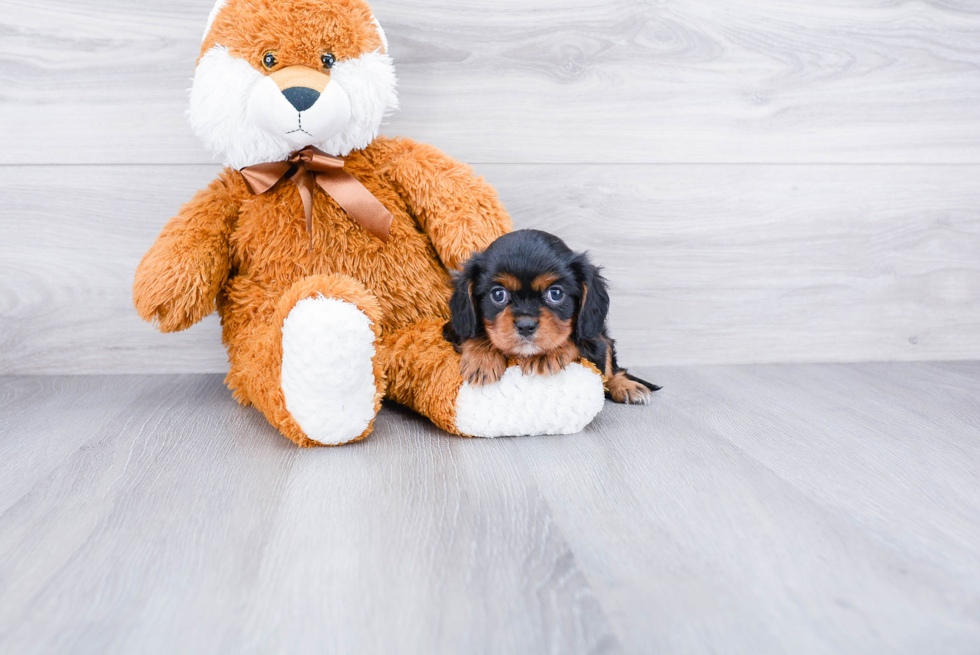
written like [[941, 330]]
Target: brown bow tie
[[309, 165]]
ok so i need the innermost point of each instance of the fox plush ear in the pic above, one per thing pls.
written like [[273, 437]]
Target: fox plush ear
[[464, 326], [594, 304]]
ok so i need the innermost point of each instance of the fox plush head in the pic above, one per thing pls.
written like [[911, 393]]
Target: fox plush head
[[274, 77]]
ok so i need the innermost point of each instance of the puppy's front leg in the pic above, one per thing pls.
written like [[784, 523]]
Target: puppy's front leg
[[480, 363]]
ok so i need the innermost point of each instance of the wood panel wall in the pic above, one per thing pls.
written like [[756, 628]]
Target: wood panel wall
[[765, 181]]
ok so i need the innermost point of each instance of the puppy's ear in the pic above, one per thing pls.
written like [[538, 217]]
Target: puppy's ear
[[594, 304], [464, 321]]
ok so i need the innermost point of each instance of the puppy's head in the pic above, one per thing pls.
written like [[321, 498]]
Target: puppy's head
[[528, 293], [275, 77]]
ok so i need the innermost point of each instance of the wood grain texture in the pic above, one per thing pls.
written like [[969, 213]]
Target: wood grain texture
[[513, 81], [758, 509], [708, 264], [188, 525], [804, 509]]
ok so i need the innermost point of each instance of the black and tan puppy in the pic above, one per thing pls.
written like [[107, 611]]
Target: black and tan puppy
[[528, 296]]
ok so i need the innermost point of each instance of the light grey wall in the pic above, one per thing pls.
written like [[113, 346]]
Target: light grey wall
[[764, 180]]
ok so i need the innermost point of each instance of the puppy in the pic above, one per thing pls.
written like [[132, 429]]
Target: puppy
[[528, 296]]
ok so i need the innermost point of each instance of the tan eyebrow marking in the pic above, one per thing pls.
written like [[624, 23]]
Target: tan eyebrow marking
[[508, 281], [544, 281]]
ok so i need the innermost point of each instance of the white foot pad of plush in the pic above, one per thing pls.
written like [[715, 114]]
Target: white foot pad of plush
[[327, 370], [527, 405]]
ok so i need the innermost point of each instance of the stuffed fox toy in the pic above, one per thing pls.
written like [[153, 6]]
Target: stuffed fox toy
[[325, 248]]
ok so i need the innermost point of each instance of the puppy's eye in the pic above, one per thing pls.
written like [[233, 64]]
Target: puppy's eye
[[499, 296], [555, 295], [328, 60], [269, 60]]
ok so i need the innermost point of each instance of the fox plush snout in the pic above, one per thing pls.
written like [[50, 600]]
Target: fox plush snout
[[274, 78]]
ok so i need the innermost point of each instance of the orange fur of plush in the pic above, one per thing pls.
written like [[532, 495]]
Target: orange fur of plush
[[298, 31], [249, 256]]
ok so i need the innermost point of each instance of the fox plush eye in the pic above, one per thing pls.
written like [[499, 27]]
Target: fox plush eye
[[499, 295], [555, 295], [328, 61], [269, 60]]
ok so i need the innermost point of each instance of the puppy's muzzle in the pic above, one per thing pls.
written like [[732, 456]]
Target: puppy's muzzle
[[526, 325], [301, 85]]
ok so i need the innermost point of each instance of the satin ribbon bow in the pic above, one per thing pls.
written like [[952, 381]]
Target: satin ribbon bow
[[309, 165]]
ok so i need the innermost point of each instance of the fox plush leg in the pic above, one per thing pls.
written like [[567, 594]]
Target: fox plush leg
[[311, 367], [422, 370]]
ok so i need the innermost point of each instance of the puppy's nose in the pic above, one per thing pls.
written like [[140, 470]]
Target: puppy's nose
[[526, 325], [301, 97]]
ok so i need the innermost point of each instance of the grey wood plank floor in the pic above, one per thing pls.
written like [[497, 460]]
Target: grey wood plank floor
[[750, 509]]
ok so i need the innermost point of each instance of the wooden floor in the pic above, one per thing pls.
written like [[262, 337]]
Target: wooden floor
[[751, 509]]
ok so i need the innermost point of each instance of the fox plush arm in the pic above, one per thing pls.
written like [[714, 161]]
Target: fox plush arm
[[179, 278], [457, 209]]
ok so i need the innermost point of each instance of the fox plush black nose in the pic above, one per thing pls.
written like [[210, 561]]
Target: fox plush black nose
[[526, 325], [301, 97]]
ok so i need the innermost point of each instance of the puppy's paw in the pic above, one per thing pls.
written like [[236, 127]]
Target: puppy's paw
[[481, 364], [550, 363], [537, 365], [622, 389]]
